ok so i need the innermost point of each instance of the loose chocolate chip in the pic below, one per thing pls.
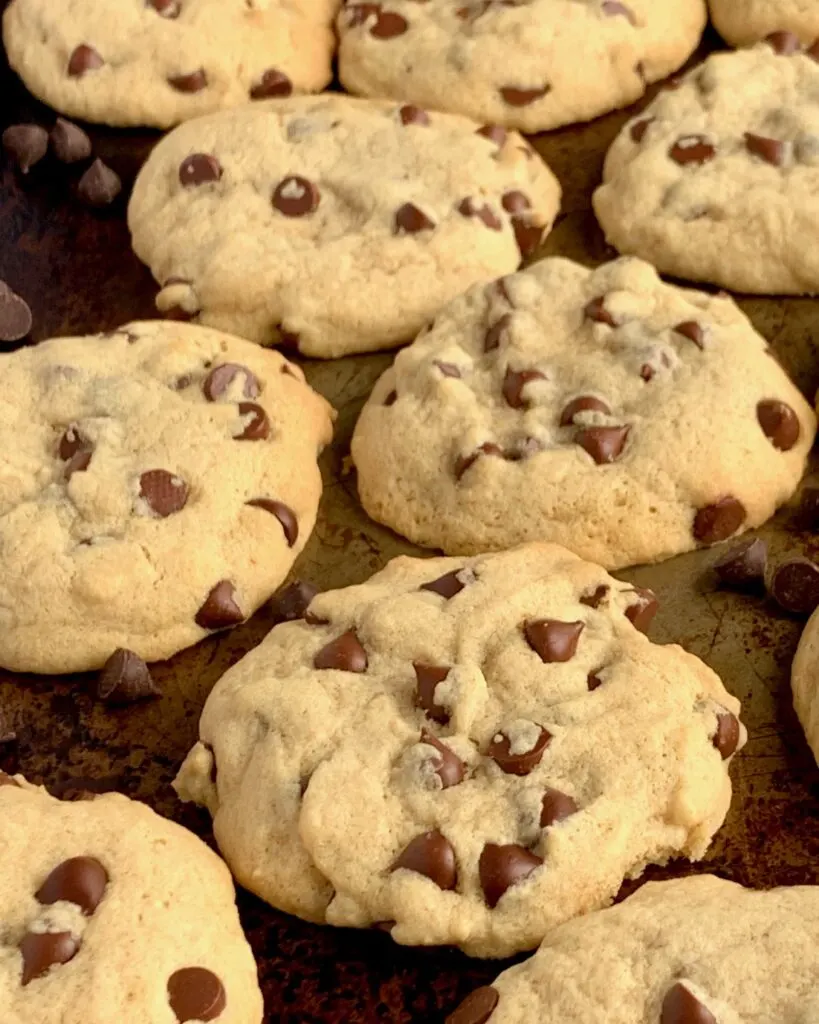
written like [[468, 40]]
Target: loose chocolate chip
[[784, 43], [388, 25], [779, 423], [447, 585], [552, 639], [410, 114], [296, 196], [501, 867], [719, 521], [639, 128], [743, 564], [514, 383], [257, 425], [291, 602], [430, 854], [100, 185], [447, 369], [427, 678], [80, 880], [772, 151], [693, 331], [595, 599], [43, 950], [166, 8], [15, 315], [528, 235], [477, 1008], [125, 678], [794, 586], [78, 463], [494, 132], [198, 169], [69, 142], [604, 444], [614, 7], [556, 806], [26, 144], [726, 738], [272, 83], [409, 220], [220, 609], [195, 993], [692, 149], [518, 763], [391, 398], [495, 333], [285, 515], [194, 82], [470, 207], [596, 310], [84, 58], [584, 403], [449, 768], [163, 492], [217, 383], [463, 462], [516, 97], [345, 653], [641, 613]]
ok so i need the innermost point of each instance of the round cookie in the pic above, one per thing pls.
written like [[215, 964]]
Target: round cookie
[[624, 418], [463, 752], [331, 224], [156, 484], [743, 22], [697, 950], [716, 179], [804, 676], [531, 66], [101, 917], [158, 62]]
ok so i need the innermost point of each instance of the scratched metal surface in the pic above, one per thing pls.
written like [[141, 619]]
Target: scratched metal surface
[[76, 270]]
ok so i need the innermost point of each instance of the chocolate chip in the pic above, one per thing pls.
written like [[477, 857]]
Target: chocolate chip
[[463, 462], [495, 333], [743, 564], [410, 114], [514, 383], [391, 398], [447, 369], [285, 515], [528, 235], [99, 185], [431, 854], [719, 521], [296, 196], [43, 950], [69, 142], [614, 7], [794, 586], [501, 867], [692, 149], [84, 58], [272, 83], [409, 220], [217, 383], [779, 423], [477, 1008], [257, 425], [357, 14], [639, 128], [7, 780], [595, 599], [555, 806], [78, 463], [552, 639], [693, 331], [449, 768], [125, 678], [604, 444], [516, 97], [220, 609], [195, 993], [72, 441], [772, 151], [784, 43], [163, 492], [26, 144], [80, 880], [447, 585], [494, 132], [388, 25], [198, 169], [194, 82], [519, 763], [345, 654], [15, 315], [596, 310], [470, 207], [726, 737], [166, 8], [681, 1006], [427, 678], [584, 403], [291, 602], [642, 611]]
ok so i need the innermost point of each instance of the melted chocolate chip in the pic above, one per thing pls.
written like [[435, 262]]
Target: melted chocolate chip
[[517, 97], [125, 678], [409, 220], [194, 82], [199, 169], [772, 151], [80, 880], [217, 383], [285, 515], [795, 586], [256, 426], [78, 463], [291, 602], [345, 654], [427, 678], [692, 149], [195, 993], [296, 196], [447, 585], [743, 564], [220, 609], [518, 763], [410, 114], [163, 492], [513, 384], [584, 403], [693, 331], [556, 806], [41, 951], [477, 1008], [726, 737], [84, 58], [501, 867], [642, 610], [552, 640], [779, 423], [604, 444], [431, 854], [388, 25], [272, 83], [719, 521], [681, 1006], [449, 768]]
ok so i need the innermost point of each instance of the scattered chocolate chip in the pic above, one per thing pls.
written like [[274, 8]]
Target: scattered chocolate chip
[[291, 602], [693, 331], [43, 950], [692, 149], [217, 383], [726, 738], [556, 806], [495, 333], [784, 43], [99, 185], [194, 82], [614, 7], [513, 384], [779, 423], [520, 763], [125, 678], [345, 654], [272, 83], [410, 114], [26, 144], [463, 462], [447, 585], [391, 398], [78, 463], [409, 220], [494, 132], [501, 867], [15, 315], [642, 610], [166, 8], [794, 585], [517, 97], [719, 521], [84, 58], [639, 128], [388, 25], [296, 196], [552, 639], [447, 369], [80, 880], [604, 444], [584, 403], [470, 207], [257, 425], [69, 142], [477, 1008], [195, 993], [772, 151], [163, 492], [596, 310], [430, 854], [198, 169], [595, 599], [285, 515], [743, 564], [220, 609], [528, 235], [449, 768], [427, 678]]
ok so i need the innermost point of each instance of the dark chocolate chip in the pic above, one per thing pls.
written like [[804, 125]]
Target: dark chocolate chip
[[80, 880], [391, 398], [125, 678], [597, 597], [726, 738], [794, 586], [26, 144], [463, 462], [584, 403], [743, 564], [345, 654], [296, 196], [528, 235], [642, 610], [163, 492], [784, 43], [779, 423], [692, 149], [518, 763], [257, 425], [69, 142], [199, 169], [693, 331], [15, 315], [470, 207], [772, 151], [639, 128], [681, 1006], [596, 310], [427, 678], [72, 441], [220, 610], [285, 515], [194, 82], [447, 585], [7, 780], [501, 867], [99, 186], [593, 680], [555, 806], [449, 768], [195, 993], [78, 463], [513, 384], [388, 25], [494, 132], [83, 58], [517, 97], [291, 602], [447, 369], [604, 444], [410, 114], [515, 202], [272, 83], [477, 1008], [494, 334], [409, 220], [430, 854], [166, 8], [217, 383], [614, 7], [43, 950], [719, 521], [552, 639]]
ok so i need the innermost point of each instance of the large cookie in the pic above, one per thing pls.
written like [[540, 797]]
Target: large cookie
[[156, 483], [332, 224], [692, 951], [743, 22], [463, 751], [716, 179], [531, 66], [805, 682], [157, 62], [605, 410], [109, 912]]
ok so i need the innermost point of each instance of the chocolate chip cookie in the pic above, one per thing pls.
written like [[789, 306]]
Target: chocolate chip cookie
[[624, 418], [463, 751], [101, 917], [804, 677], [716, 179], [333, 225], [156, 484], [742, 22], [531, 66], [157, 62]]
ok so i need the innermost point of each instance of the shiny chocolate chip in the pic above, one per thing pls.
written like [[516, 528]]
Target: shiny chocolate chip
[[517, 97], [272, 83], [518, 762], [43, 950], [78, 463], [430, 854], [447, 585], [164, 493], [483, 212], [388, 25], [556, 806], [681, 1006], [794, 586], [295, 196], [84, 58], [604, 444], [693, 331], [193, 82], [218, 382], [409, 220], [285, 515], [642, 609], [449, 768], [779, 423], [477, 1008], [80, 880], [743, 564], [583, 403], [553, 640], [125, 678], [726, 737], [345, 654], [513, 384], [692, 149], [772, 151], [427, 678], [256, 425], [199, 169], [719, 521], [25, 144], [220, 609], [291, 602], [501, 867], [195, 993]]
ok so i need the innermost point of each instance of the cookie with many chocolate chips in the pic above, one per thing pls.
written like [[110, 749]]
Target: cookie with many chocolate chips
[[463, 751], [158, 62], [533, 65], [101, 917], [716, 179], [695, 950], [805, 682], [333, 225], [743, 22], [624, 418], [156, 484]]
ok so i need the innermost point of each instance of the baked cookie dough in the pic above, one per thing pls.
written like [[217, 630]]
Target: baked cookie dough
[[109, 912], [531, 66], [716, 180], [743, 22], [158, 62], [156, 484], [463, 751], [805, 682], [624, 418], [334, 225], [692, 951]]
